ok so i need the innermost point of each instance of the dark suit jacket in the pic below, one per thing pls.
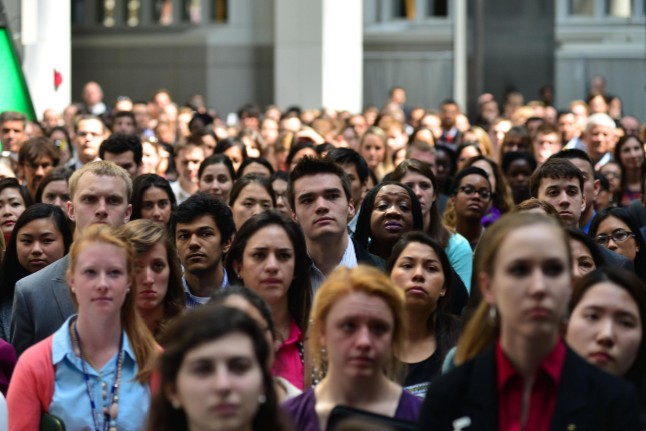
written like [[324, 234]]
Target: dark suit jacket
[[41, 303], [588, 398], [367, 258]]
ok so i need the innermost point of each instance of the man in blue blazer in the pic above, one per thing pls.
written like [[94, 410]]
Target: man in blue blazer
[[100, 193]]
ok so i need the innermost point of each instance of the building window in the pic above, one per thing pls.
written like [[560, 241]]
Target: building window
[[220, 11], [602, 9], [133, 10]]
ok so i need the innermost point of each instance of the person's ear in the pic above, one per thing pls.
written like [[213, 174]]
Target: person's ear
[[226, 245], [70, 210], [486, 287], [351, 209]]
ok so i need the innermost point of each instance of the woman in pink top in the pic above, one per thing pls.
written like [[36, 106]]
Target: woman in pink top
[[268, 256]]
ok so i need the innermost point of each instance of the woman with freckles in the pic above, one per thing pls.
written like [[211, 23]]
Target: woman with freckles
[[515, 370], [358, 328]]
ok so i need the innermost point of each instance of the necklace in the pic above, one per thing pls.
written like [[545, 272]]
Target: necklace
[[110, 411]]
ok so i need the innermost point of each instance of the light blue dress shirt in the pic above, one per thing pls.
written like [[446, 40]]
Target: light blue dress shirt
[[71, 402]]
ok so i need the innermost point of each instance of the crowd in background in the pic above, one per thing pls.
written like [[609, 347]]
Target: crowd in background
[[166, 266]]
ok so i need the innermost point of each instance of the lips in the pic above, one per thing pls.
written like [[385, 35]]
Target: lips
[[225, 409], [361, 360], [271, 281], [393, 226], [196, 256], [416, 290], [323, 220], [148, 294], [601, 357], [539, 312], [102, 299], [8, 223], [38, 262]]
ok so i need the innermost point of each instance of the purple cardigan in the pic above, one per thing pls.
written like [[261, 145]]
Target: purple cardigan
[[302, 411]]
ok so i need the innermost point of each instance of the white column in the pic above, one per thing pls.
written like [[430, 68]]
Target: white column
[[460, 53], [47, 51], [318, 54]]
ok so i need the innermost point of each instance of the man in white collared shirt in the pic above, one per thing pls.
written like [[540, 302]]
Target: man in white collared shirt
[[319, 194]]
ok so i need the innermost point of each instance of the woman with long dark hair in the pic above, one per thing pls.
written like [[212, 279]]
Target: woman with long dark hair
[[41, 236], [268, 255], [419, 267]]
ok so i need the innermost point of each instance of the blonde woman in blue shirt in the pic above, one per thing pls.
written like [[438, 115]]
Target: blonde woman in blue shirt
[[94, 372]]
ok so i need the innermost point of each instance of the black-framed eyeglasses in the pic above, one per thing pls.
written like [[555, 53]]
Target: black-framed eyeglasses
[[618, 235], [470, 190]]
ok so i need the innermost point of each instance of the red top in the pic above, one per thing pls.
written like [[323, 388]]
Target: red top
[[542, 397]]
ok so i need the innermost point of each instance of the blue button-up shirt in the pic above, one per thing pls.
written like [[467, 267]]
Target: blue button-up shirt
[[71, 402]]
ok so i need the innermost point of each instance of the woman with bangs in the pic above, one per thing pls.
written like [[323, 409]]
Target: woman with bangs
[[358, 328], [95, 371]]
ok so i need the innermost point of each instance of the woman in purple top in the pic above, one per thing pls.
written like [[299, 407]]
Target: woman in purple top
[[357, 329]]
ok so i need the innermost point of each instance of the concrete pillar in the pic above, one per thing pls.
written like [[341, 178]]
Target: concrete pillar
[[47, 53], [318, 54]]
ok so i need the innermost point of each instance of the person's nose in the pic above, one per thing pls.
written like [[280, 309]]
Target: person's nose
[[364, 338], [393, 211], [612, 245], [321, 205], [193, 242], [418, 191], [564, 200], [418, 273], [147, 276], [40, 171], [271, 262], [538, 283], [221, 380], [37, 249], [606, 333]]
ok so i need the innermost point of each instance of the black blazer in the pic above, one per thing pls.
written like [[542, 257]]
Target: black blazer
[[588, 398]]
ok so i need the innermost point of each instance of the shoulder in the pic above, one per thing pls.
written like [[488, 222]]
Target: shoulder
[[409, 407], [302, 407], [49, 273], [364, 256]]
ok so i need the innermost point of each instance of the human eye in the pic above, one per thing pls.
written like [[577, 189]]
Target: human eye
[[206, 233], [25, 241], [16, 204], [586, 264], [519, 269], [248, 204], [240, 365], [406, 265], [147, 205], [591, 316], [88, 199], [627, 322], [115, 273], [432, 268], [223, 179], [553, 269], [347, 326], [284, 256], [181, 236], [115, 200], [573, 191], [424, 185], [207, 178], [48, 240], [382, 206], [164, 203], [158, 266], [258, 255], [404, 206], [90, 272], [201, 368], [266, 205], [49, 197], [379, 328]]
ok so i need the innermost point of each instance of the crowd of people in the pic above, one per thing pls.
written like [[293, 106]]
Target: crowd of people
[[400, 268]]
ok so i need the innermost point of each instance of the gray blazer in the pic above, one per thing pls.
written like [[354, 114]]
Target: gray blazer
[[41, 304]]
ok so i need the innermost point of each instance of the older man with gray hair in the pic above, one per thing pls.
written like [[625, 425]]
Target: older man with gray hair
[[600, 138]]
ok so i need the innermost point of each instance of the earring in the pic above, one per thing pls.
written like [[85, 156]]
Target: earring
[[262, 399], [492, 317]]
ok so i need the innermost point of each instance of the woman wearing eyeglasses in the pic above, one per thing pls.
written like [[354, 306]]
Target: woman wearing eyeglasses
[[617, 230], [471, 197]]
